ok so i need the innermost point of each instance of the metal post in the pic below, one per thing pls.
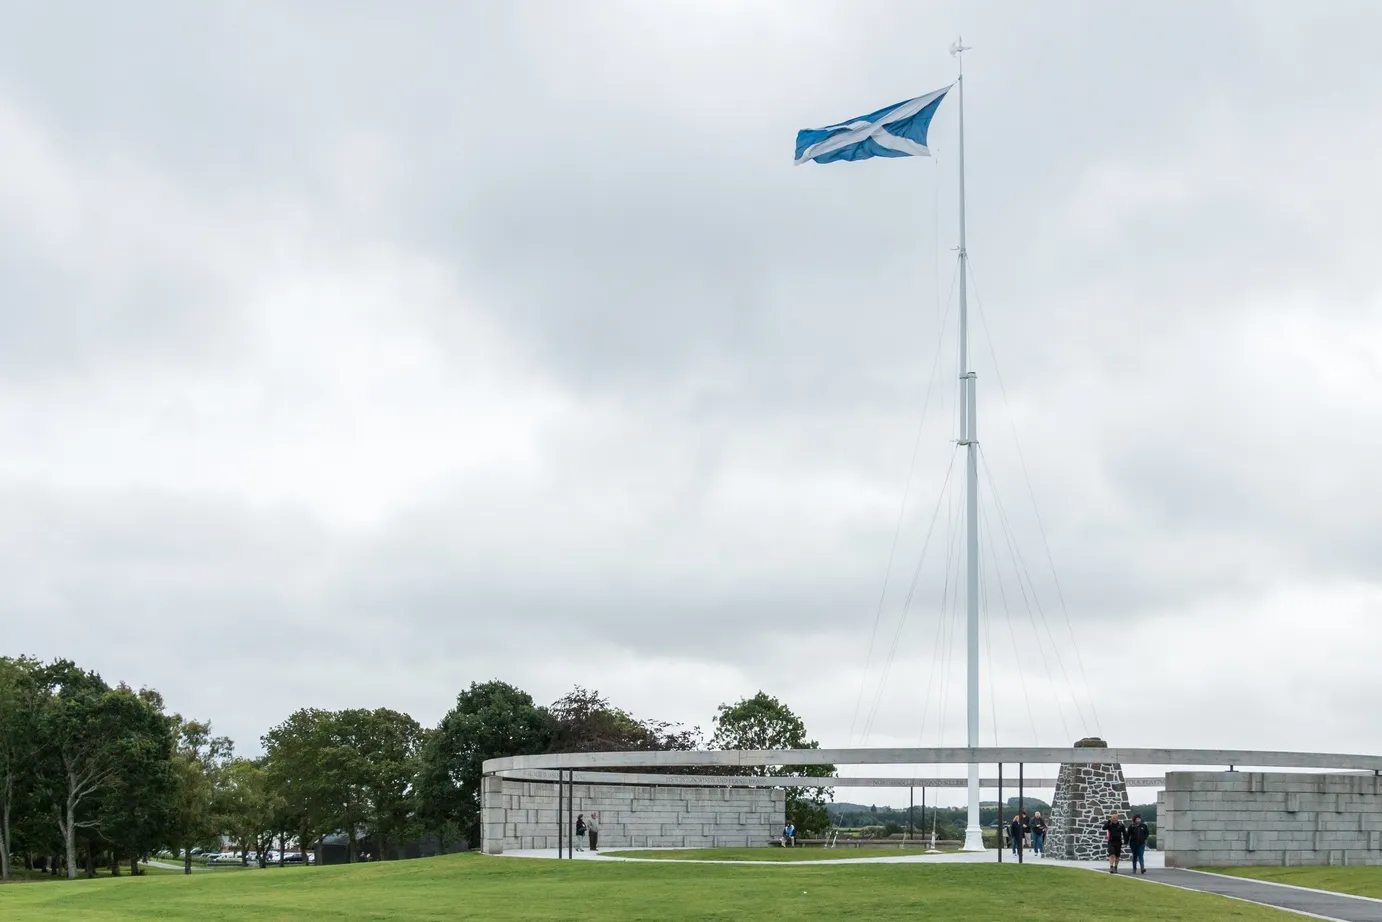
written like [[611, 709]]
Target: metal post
[[969, 435], [1020, 807], [571, 813], [911, 807], [560, 793], [1000, 812]]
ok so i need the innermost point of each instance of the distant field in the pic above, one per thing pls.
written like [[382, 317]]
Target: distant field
[[765, 854], [518, 890], [1358, 881]]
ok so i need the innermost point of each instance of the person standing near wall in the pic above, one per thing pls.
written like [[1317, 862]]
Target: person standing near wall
[[1138, 834], [1038, 835], [580, 832], [593, 828], [1116, 833]]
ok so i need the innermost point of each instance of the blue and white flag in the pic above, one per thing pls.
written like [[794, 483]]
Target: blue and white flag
[[897, 131]]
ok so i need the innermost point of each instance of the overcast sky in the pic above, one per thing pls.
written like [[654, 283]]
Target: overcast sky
[[350, 353]]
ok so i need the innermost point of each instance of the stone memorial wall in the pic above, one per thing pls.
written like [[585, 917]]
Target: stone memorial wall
[[523, 815], [1222, 819]]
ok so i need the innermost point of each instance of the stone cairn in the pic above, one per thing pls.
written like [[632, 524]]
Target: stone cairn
[[1086, 793]]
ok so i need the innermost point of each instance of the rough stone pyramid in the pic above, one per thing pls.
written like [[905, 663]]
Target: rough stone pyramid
[[1086, 793]]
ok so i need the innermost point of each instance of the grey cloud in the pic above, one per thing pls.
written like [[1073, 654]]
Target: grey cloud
[[740, 346]]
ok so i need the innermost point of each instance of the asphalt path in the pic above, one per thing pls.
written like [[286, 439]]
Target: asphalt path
[[1320, 904]]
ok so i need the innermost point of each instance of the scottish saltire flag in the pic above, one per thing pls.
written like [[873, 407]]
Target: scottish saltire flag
[[897, 131]]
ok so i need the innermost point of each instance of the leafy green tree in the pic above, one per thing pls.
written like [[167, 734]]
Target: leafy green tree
[[389, 745], [249, 808], [136, 810], [349, 770], [585, 722], [297, 753], [87, 733], [18, 746], [764, 722], [199, 767], [489, 721]]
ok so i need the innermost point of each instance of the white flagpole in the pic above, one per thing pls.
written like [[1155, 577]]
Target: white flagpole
[[969, 435]]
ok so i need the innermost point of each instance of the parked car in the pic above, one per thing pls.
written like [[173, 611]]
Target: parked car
[[223, 858], [293, 858]]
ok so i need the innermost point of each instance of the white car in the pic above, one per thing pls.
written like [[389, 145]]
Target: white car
[[223, 858]]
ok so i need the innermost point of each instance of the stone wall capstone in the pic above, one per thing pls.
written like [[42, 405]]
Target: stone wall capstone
[[523, 815], [1086, 794]]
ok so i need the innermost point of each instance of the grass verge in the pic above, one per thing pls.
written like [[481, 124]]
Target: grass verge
[[519, 890], [1359, 881]]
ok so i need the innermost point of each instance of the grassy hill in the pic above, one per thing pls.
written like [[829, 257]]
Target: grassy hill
[[519, 890]]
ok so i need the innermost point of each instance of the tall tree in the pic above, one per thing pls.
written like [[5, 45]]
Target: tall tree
[[198, 766], [136, 810], [388, 743], [585, 722], [250, 808], [764, 722], [18, 745], [81, 724], [296, 763], [489, 721], [353, 770]]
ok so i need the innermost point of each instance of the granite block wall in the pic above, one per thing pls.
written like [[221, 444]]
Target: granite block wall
[[1225, 819], [523, 815]]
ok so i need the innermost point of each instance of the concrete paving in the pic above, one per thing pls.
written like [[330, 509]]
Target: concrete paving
[[984, 857]]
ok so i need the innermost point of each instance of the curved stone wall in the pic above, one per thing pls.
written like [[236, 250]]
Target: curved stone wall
[[523, 815]]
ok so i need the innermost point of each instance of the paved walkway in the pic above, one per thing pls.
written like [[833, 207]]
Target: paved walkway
[[985, 857], [1321, 904]]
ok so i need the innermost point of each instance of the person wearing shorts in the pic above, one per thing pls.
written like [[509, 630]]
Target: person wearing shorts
[[1115, 832]]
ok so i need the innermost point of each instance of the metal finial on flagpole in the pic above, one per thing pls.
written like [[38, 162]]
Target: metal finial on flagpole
[[969, 431]]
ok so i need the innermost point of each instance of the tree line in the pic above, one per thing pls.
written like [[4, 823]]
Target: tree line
[[94, 775]]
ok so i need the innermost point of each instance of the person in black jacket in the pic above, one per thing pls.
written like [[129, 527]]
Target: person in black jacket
[[1138, 833], [1015, 834], [1115, 832]]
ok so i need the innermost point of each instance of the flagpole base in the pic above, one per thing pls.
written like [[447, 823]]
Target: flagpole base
[[974, 840]]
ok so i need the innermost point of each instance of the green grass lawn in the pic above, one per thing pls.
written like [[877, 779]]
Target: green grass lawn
[[518, 890], [1358, 881], [767, 854]]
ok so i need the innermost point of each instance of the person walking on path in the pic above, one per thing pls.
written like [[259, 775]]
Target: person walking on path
[[593, 827], [1138, 833], [1015, 835], [1116, 834], [1038, 835], [580, 832]]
